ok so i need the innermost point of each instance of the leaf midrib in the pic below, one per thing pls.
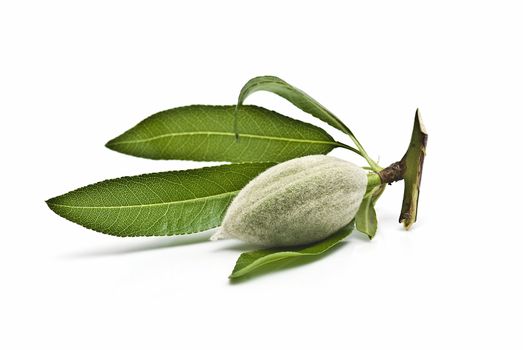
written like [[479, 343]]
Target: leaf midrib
[[334, 143], [225, 194]]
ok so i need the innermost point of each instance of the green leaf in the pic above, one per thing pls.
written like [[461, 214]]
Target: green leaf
[[304, 102], [294, 95], [205, 133], [167, 203], [413, 164], [366, 221], [250, 261]]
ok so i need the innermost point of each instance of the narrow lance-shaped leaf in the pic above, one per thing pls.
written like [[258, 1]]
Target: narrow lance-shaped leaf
[[167, 203], [205, 133], [301, 100], [250, 261], [294, 95]]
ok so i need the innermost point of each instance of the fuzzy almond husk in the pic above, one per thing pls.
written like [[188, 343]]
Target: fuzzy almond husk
[[296, 202]]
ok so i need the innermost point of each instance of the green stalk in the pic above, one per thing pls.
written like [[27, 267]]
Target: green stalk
[[373, 180], [374, 166]]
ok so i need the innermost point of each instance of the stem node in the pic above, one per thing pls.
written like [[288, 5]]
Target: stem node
[[392, 173]]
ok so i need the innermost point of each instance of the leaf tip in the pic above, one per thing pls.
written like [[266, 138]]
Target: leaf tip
[[234, 275], [110, 144], [49, 202], [51, 205]]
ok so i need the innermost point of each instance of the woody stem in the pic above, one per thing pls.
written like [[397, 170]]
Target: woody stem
[[392, 173]]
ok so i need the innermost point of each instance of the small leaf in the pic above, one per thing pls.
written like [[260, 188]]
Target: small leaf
[[205, 133], [413, 163], [249, 261], [167, 203], [366, 221], [294, 95], [304, 102]]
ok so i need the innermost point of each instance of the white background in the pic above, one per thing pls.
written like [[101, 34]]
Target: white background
[[73, 76]]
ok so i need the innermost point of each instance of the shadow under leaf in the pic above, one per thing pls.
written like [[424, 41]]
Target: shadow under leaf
[[153, 243]]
